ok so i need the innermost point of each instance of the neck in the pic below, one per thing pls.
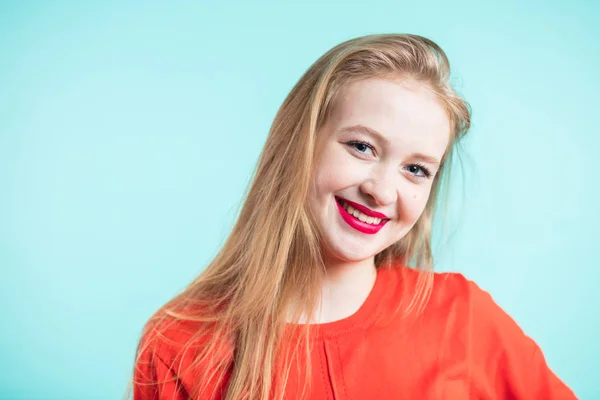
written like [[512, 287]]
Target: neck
[[346, 286]]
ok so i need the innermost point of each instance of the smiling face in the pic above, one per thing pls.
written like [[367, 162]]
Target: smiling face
[[377, 156]]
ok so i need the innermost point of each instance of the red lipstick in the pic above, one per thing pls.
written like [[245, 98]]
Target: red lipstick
[[355, 222], [363, 209]]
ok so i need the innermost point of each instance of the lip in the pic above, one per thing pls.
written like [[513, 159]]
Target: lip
[[356, 223], [363, 209]]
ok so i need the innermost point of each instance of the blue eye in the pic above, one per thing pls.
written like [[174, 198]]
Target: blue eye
[[419, 170], [361, 146]]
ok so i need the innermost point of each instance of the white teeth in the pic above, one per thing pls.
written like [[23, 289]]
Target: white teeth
[[363, 217]]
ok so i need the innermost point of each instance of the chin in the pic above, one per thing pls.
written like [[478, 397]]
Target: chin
[[344, 253]]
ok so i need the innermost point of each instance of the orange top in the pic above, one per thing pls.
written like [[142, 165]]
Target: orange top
[[463, 346]]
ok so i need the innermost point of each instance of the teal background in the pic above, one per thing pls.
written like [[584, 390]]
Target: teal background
[[128, 133]]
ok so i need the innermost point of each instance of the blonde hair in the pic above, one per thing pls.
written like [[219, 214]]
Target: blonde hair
[[251, 289]]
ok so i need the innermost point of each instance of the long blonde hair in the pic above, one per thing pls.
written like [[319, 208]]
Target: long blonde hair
[[270, 269]]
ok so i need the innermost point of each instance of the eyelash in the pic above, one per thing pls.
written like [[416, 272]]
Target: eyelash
[[426, 172], [355, 142]]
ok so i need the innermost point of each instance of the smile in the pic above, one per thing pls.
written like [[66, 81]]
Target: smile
[[360, 217]]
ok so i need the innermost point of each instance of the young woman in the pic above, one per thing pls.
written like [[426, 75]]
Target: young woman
[[325, 287]]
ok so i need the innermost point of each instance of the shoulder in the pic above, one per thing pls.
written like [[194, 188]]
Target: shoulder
[[477, 307], [455, 285], [179, 355], [474, 308], [170, 334], [460, 311], [504, 362], [166, 336], [447, 289]]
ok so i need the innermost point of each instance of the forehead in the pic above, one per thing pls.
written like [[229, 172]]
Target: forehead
[[406, 112]]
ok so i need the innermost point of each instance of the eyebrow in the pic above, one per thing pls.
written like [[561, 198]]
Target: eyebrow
[[380, 138], [367, 131]]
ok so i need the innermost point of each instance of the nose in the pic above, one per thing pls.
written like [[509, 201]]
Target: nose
[[380, 187]]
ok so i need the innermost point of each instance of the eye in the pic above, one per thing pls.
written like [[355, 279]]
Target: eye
[[361, 146], [419, 170]]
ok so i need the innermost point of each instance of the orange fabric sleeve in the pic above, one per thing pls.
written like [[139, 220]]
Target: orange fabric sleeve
[[166, 369], [510, 365], [155, 380]]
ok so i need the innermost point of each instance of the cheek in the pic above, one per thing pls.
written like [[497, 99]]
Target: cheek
[[414, 204], [325, 182], [335, 173]]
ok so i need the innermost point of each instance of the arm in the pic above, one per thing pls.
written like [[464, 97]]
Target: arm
[[507, 364], [155, 380], [170, 367]]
